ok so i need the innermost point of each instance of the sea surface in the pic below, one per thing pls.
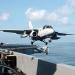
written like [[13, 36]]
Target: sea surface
[[60, 52]]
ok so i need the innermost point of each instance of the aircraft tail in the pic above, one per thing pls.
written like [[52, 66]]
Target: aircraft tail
[[30, 25]]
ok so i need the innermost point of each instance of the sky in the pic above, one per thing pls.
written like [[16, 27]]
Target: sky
[[15, 14]]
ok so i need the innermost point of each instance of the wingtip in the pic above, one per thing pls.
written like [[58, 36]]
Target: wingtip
[[0, 30]]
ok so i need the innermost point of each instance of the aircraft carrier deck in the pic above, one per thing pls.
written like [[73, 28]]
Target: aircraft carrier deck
[[14, 63], [21, 48]]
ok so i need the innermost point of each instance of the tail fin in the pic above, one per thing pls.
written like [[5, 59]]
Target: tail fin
[[30, 25]]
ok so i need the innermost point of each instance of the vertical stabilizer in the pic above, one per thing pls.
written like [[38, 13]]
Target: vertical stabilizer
[[30, 25]]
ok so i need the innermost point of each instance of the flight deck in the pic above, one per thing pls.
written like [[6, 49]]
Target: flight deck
[[14, 63]]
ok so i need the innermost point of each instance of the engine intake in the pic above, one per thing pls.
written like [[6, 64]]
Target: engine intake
[[34, 34]]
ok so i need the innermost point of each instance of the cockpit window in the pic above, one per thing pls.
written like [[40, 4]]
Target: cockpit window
[[47, 26]]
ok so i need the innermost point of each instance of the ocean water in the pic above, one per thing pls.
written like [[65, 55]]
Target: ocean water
[[61, 53]]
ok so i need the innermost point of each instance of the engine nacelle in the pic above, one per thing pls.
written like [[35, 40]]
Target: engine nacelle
[[24, 35], [33, 34]]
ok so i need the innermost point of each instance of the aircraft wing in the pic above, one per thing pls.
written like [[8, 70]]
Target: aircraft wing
[[62, 34], [21, 31], [17, 31]]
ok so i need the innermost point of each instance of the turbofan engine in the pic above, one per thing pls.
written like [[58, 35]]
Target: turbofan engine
[[33, 34]]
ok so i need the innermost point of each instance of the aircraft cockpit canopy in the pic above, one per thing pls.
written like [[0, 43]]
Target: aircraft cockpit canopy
[[47, 26]]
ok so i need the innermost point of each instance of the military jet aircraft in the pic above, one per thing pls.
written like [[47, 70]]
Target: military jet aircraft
[[40, 34]]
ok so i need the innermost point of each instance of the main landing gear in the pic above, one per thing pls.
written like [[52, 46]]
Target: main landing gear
[[46, 43], [44, 48], [32, 42]]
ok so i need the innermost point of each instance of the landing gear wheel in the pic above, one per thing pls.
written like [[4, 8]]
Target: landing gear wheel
[[49, 40], [46, 43], [32, 42]]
